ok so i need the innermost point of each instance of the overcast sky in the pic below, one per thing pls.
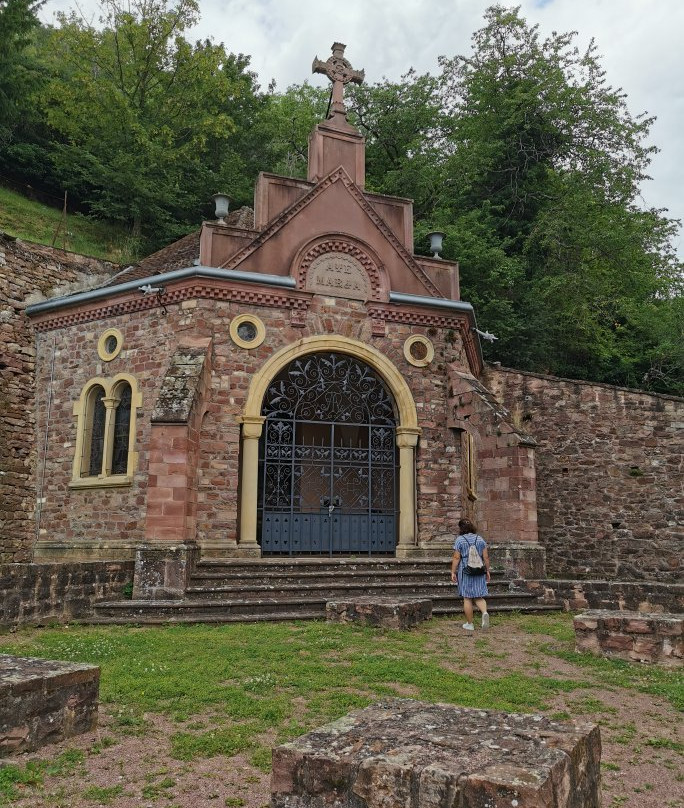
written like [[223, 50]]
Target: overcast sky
[[639, 40]]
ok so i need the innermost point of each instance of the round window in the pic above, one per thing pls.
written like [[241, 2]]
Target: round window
[[109, 345], [247, 331], [419, 351]]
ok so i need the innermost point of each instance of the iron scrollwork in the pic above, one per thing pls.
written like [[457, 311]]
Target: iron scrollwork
[[328, 459]]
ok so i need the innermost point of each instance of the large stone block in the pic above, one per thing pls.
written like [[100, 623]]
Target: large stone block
[[412, 754], [163, 572], [43, 702], [385, 612], [642, 637]]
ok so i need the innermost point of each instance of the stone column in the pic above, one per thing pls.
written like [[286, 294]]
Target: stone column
[[252, 426], [110, 403], [407, 439]]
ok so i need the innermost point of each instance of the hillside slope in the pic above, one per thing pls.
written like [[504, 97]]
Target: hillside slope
[[33, 221]]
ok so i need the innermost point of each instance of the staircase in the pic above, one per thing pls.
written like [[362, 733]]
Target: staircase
[[224, 591]]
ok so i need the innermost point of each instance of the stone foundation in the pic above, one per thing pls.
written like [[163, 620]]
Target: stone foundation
[[409, 753], [383, 612], [639, 596], [44, 702], [638, 637], [41, 593]]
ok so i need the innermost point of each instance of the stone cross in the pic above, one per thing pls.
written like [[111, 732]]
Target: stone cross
[[340, 72]]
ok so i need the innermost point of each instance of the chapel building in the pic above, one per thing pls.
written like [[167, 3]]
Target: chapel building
[[292, 381]]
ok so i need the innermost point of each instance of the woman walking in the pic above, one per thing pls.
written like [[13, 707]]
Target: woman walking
[[472, 582]]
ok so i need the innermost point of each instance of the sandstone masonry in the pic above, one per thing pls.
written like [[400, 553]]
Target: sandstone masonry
[[405, 752], [27, 272], [610, 475]]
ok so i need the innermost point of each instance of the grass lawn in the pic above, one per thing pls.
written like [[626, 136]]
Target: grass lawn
[[33, 221], [206, 692]]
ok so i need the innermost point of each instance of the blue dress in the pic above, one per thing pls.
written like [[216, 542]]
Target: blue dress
[[470, 586]]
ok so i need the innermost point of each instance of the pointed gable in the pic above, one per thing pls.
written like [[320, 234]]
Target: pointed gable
[[335, 210]]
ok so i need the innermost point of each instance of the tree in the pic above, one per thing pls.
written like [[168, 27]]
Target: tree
[[404, 124], [142, 115], [544, 170], [18, 73]]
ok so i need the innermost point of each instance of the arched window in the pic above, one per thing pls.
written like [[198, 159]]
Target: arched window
[[93, 447], [105, 432], [122, 428]]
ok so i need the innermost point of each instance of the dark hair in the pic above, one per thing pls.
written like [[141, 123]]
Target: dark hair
[[466, 526]]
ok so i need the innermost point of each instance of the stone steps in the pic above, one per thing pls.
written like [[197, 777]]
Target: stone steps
[[336, 589], [161, 612], [297, 589]]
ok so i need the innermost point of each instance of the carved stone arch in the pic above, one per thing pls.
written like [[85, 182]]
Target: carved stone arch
[[344, 245], [252, 420]]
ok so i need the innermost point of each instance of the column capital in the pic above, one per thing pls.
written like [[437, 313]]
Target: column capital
[[252, 425], [407, 436]]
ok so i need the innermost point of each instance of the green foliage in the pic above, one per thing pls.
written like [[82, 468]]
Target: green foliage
[[546, 166], [227, 741], [32, 221], [102, 795], [666, 743], [520, 151], [18, 69], [140, 122], [14, 779]]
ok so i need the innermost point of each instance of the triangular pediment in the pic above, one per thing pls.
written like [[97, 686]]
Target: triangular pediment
[[336, 208]]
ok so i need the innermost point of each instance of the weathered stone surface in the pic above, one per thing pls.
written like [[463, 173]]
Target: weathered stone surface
[[179, 388], [385, 612], [656, 638], [36, 593], [408, 753], [26, 271], [43, 702], [642, 596], [163, 572], [609, 475]]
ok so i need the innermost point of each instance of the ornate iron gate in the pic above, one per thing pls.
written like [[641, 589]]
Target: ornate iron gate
[[327, 460]]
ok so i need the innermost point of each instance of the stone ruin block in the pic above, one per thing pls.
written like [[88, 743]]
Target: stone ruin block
[[385, 612], [639, 637], [412, 754], [43, 702]]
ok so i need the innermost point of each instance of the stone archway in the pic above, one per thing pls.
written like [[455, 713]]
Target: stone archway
[[407, 432]]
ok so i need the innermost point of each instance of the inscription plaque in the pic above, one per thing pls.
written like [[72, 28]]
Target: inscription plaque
[[339, 275]]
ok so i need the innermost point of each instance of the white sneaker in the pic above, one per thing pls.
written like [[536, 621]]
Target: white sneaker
[[485, 620], [469, 627]]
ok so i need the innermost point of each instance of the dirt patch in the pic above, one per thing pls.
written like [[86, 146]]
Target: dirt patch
[[641, 737]]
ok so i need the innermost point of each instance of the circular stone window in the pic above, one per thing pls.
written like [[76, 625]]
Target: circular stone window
[[419, 351], [247, 331], [109, 345]]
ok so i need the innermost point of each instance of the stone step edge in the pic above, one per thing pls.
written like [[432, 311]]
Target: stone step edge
[[239, 591], [342, 561], [282, 617], [215, 604], [325, 574]]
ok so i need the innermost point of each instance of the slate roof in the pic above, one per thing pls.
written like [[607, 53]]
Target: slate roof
[[178, 255]]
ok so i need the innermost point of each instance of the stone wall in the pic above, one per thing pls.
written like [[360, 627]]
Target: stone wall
[[27, 271], [610, 475], [640, 596], [634, 636], [41, 593]]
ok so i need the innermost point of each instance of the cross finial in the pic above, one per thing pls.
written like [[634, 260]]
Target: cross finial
[[340, 72]]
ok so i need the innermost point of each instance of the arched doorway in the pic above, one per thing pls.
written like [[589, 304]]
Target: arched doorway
[[328, 460]]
